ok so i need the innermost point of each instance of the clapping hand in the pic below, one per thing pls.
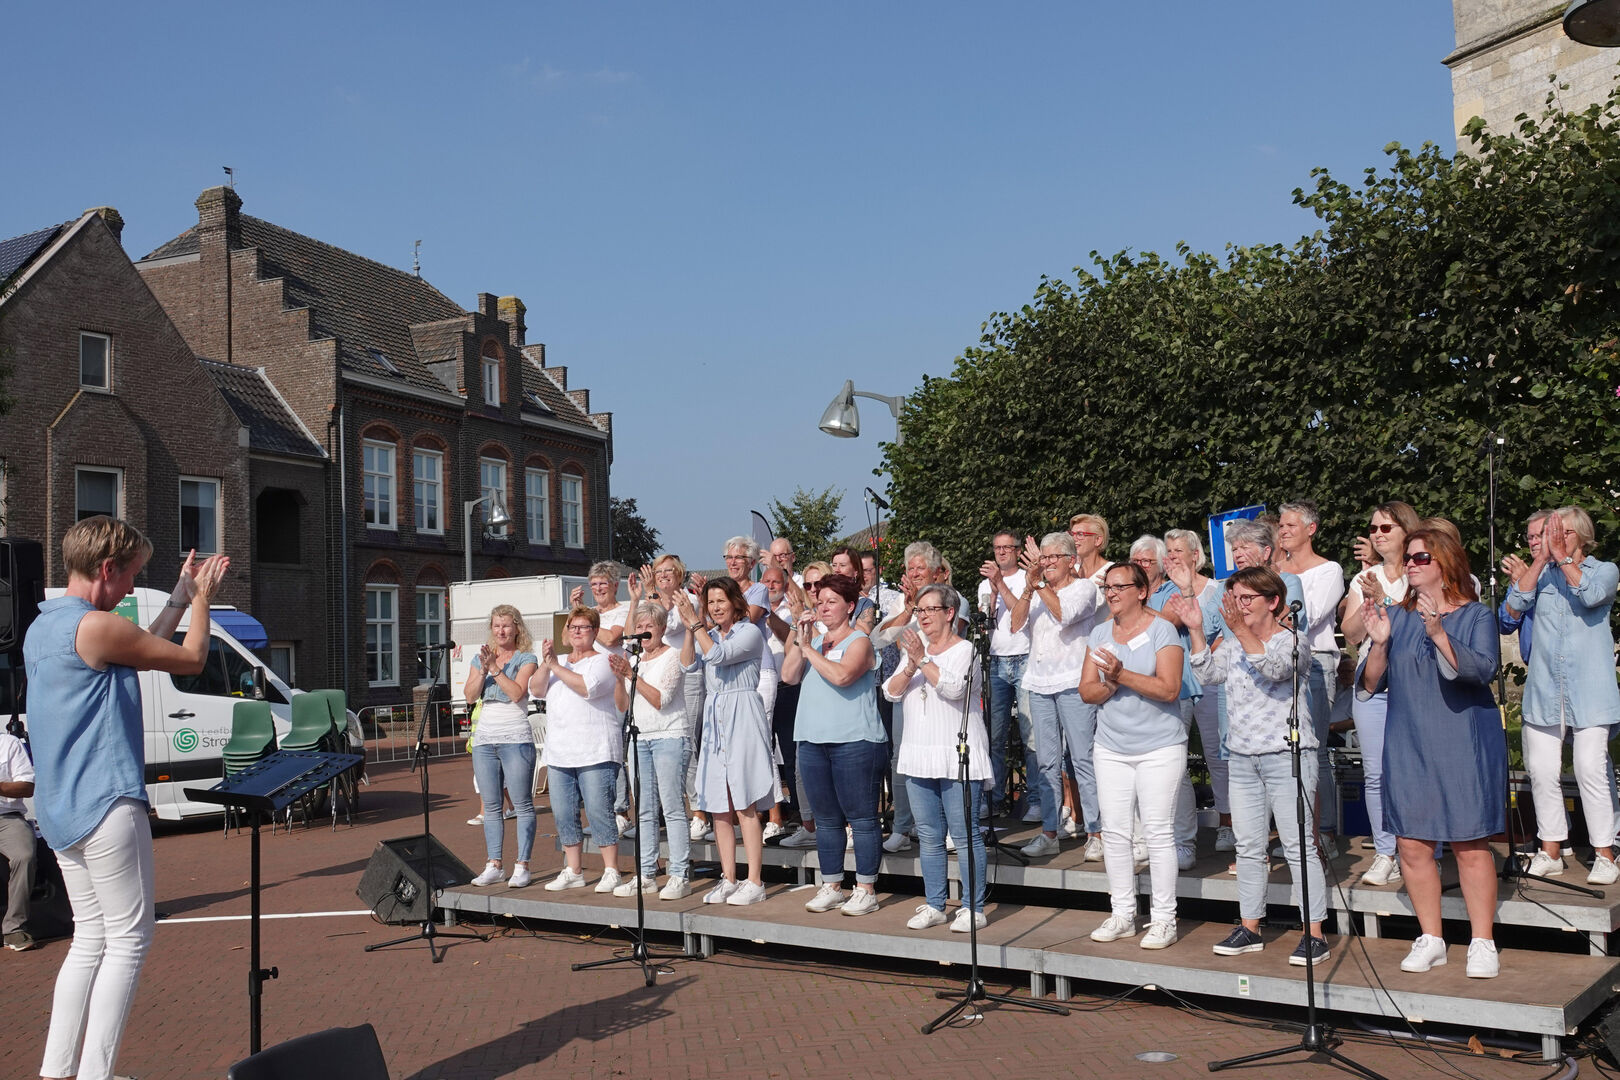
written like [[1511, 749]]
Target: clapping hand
[[548, 652], [1185, 609], [1376, 620], [1372, 587], [1514, 567], [1231, 610], [1366, 554], [1557, 542], [912, 646], [620, 666], [577, 597], [636, 583], [1108, 666], [991, 571]]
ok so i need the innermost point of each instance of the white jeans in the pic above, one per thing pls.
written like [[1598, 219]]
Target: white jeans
[[1150, 781], [1544, 761], [110, 882]]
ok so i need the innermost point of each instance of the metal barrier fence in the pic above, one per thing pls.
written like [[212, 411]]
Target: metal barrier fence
[[391, 730]]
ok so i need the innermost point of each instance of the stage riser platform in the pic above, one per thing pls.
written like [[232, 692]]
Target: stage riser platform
[[1538, 994]]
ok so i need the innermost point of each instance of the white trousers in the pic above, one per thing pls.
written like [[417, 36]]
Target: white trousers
[[1151, 782], [110, 883], [1544, 761]]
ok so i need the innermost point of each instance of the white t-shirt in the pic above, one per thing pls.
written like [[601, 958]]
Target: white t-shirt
[[14, 768], [1003, 641], [583, 731], [1323, 586], [610, 619], [1057, 648]]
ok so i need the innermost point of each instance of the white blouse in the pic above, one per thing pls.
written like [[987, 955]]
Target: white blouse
[[933, 718], [583, 731]]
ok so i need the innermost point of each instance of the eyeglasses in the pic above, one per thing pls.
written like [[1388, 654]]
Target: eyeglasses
[[931, 610], [736, 558], [1418, 558], [1082, 532], [1386, 527], [1004, 547], [580, 628], [1112, 589], [1533, 537], [1244, 599], [1059, 557]]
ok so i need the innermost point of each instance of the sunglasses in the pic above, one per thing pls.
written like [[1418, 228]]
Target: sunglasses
[[1387, 527], [1418, 558]]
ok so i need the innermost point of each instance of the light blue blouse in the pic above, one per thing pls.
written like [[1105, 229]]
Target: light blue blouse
[[1571, 680], [1129, 723], [837, 714]]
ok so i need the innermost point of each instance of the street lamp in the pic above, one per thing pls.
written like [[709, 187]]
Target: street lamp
[[1594, 22], [498, 518], [843, 420]]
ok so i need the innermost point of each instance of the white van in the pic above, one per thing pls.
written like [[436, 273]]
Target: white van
[[188, 717]]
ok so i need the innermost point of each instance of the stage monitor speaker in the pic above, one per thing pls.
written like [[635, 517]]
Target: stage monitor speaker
[[22, 588], [395, 882]]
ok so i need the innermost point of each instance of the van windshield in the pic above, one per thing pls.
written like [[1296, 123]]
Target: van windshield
[[226, 673]]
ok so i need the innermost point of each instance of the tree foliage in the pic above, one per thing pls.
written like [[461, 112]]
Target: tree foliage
[[634, 541], [810, 521], [1442, 299]]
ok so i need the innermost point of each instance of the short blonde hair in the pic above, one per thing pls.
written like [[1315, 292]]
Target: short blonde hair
[[94, 540], [667, 557], [523, 642], [1579, 522], [1100, 524]]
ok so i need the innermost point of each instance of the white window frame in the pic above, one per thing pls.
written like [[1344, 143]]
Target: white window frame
[[118, 490], [492, 380], [430, 630], [385, 644], [486, 488], [106, 361], [571, 490], [423, 487], [219, 521], [290, 675], [537, 505], [377, 484]]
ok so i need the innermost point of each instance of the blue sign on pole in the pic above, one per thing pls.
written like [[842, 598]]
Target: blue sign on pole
[[1220, 552]]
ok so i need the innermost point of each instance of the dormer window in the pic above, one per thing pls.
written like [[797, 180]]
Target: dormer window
[[382, 361], [492, 376]]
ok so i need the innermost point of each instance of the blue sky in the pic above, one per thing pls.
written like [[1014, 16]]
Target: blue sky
[[716, 213]]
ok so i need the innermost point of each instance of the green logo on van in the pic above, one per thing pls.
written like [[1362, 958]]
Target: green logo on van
[[185, 740]]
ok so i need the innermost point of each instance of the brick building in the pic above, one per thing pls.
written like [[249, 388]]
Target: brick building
[[417, 405], [110, 410], [1506, 49]]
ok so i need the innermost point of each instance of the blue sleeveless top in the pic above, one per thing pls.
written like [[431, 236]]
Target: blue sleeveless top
[[85, 726]]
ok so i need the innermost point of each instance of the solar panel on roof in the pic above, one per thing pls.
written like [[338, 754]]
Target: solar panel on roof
[[16, 252]]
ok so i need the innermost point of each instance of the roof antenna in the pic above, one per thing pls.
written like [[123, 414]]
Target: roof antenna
[[416, 258], [230, 176]]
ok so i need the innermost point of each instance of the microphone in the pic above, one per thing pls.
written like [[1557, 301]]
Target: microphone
[[1296, 606], [875, 497], [448, 646], [638, 637]]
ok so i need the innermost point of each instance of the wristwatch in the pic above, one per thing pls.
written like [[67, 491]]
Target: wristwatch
[[1566, 560]]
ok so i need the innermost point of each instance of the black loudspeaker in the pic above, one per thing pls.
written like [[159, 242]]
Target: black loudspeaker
[[395, 882], [22, 588]]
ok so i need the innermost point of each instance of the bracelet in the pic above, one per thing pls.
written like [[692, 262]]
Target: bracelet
[[173, 603]]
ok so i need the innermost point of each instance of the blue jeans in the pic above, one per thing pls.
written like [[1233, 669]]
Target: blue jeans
[[1008, 702], [843, 780], [661, 774], [1322, 689], [594, 785], [938, 806], [1046, 736], [1369, 714], [894, 727], [1060, 719], [1262, 790], [511, 765]]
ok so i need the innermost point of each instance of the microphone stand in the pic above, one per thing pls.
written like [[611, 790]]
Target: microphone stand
[[1317, 1038], [974, 991], [981, 626], [638, 953], [419, 756]]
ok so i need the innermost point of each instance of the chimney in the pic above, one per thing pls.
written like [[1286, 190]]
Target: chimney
[[219, 232], [512, 309], [487, 305], [112, 218], [219, 218]]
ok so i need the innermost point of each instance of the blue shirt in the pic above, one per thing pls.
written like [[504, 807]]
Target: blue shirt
[[492, 688], [1571, 679], [1129, 723], [1190, 688], [837, 714], [85, 726]]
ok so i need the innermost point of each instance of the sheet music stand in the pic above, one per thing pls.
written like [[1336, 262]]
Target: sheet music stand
[[269, 786]]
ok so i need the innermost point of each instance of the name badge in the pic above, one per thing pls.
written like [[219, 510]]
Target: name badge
[[1138, 641]]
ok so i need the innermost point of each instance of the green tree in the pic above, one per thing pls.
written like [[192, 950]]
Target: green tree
[[810, 521], [1442, 299], [634, 541]]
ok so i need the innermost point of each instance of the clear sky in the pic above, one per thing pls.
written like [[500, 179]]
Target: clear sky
[[718, 212]]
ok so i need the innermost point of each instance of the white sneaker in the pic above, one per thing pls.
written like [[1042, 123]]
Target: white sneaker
[[629, 886], [1427, 951], [1186, 856], [828, 897], [699, 826], [492, 875], [1066, 824], [721, 892], [1544, 865], [567, 879], [1032, 813], [927, 916], [1483, 962], [509, 815], [897, 842], [708, 834], [799, 838], [520, 878], [1139, 854], [1603, 872], [676, 888], [627, 828], [1160, 935], [610, 881], [746, 893], [1224, 839], [1094, 848], [479, 820], [1328, 845], [773, 830], [959, 925], [1113, 928], [1041, 846], [1385, 870], [860, 902]]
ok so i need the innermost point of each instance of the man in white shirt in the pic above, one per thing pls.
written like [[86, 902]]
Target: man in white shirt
[[1009, 652], [16, 840], [782, 554], [1322, 583]]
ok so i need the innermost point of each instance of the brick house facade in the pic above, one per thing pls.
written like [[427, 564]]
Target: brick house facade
[[110, 411], [419, 405]]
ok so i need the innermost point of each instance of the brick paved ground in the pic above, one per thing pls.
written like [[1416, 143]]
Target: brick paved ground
[[512, 1008]]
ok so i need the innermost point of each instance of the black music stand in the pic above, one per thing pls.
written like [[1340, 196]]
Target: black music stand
[[269, 786]]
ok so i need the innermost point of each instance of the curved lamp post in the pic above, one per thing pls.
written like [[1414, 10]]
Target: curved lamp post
[[1594, 22], [498, 518], [843, 420]]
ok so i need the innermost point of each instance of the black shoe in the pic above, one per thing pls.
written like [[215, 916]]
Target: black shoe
[[1239, 941], [1310, 951]]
